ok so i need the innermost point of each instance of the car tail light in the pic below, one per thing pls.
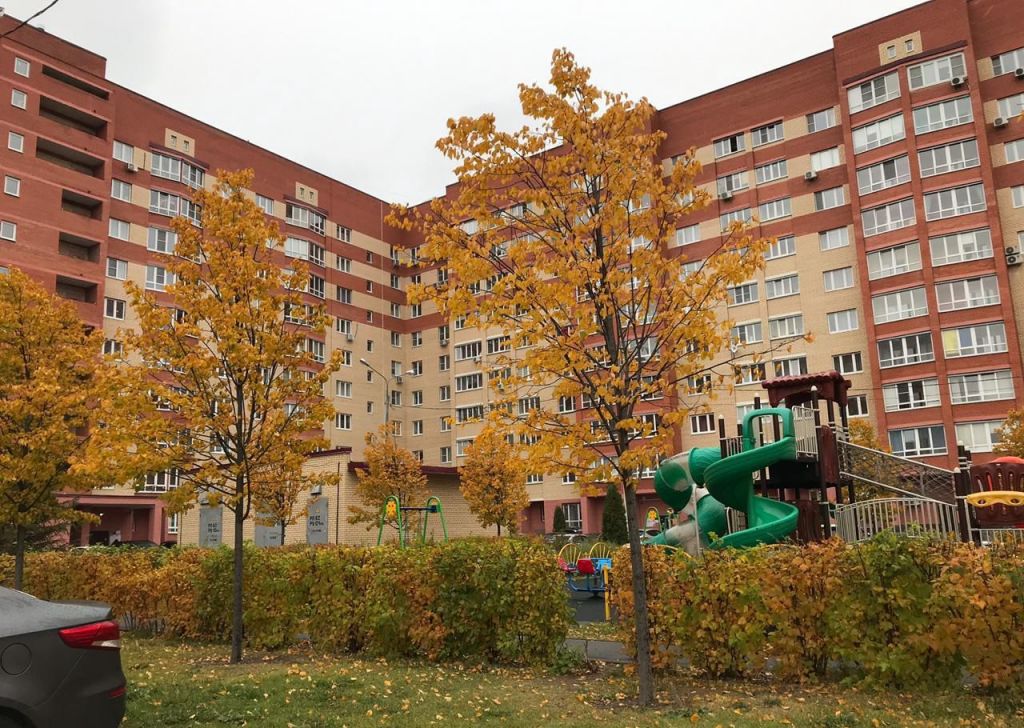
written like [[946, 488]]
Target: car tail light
[[97, 636]]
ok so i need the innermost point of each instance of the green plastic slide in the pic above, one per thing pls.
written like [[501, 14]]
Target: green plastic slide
[[730, 482]]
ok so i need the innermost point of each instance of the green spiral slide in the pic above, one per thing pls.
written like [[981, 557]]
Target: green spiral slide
[[730, 482]]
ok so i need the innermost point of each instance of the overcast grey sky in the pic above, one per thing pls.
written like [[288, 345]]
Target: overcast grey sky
[[362, 90]]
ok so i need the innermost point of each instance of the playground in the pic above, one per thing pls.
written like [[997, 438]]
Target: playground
[[791, 474]]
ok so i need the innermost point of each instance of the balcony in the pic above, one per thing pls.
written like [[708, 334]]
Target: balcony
[[72, 117], [84, 214], [70, 245]]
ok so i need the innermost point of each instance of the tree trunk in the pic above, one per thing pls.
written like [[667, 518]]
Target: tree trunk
[[644, 673], [499, 530], [19, 556], [283, 527], [236, 607]]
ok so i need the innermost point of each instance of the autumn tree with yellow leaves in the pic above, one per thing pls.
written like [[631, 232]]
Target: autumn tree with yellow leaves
[[493, 481], [228, 358], [1010, 435], [61, 406], [391, 470], [559, 235]]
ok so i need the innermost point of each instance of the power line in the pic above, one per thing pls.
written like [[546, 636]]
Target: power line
[[25, 22]]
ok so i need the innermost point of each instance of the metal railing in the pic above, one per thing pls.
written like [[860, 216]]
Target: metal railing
[[897, 474], [905, 516], [805, 430]]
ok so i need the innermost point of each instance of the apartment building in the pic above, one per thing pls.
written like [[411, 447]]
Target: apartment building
[[888, 168]]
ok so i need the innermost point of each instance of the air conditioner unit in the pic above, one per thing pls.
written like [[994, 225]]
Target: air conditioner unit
[[957, 81], [398, 379], [131, 167], [1018, 72], [444, 342], [810, 176], [727, 195], [1013, 257], [350, 337], [316, 490], [999, 122]]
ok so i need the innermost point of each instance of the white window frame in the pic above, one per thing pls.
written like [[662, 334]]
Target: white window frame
[[829, 199], [935, 71], [782, 286], [988, 386], [894, 261], [951, 157], [970, 245], [775, 209], [825, 159], [954, 201], [12, 186], [834, 239], [933, 448], [899, 305], [884, 174], [784, 327], [986, 338], [873, 93], [943, 115], [771, 171], [878, 133], [838, 279], [980, 435], [899, 354], [911, 394], [888, 217], [842, 321], [967, 293]]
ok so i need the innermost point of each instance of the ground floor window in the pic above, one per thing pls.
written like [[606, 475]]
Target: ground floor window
[[573, 516]]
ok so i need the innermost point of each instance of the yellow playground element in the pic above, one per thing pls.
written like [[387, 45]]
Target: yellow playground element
[[601, 550], [996, 497], [569, 555]]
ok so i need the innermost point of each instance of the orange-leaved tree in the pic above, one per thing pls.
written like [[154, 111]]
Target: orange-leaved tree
[[1010, 435], [493, 481], [232, 357], [391, 470], [560, 235], [62, 411]]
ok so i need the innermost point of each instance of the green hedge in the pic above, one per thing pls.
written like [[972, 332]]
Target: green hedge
[[500, 600], [894, 611]]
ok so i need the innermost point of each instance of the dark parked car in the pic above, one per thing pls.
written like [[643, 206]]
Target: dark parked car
[[60, 664]]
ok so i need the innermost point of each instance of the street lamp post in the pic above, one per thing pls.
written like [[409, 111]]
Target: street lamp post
[[387, 388]]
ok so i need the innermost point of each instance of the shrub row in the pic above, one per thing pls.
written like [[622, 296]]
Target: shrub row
[[897, 611], [499, 600]]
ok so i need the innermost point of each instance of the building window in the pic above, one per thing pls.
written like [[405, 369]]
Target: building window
[[838, 278], [786, 326], [825, 159], [15, 142], [774, 210], [22, 67], [967, 293], [119, 229], [981, 387], [743, 293], [827, 199], [1014, 151], [346, 358], [265, 203], [343, 389], [943, 115], [935, 71], [948, 158], [883, 175], [899, 305], [960, 247], [781, 248], [342, 421], [780, 287], [903, 350], [469, 382], [461, 446], [161, 241], [117, 268], [1008, 62], [841, 321], [444, 363], [164, 203], [750, 373], [748, 333], [113, 308], [161, 482], [304, 250], [157, 278], [850, 363], [974, 340], [113, 347], [702, 424], [918, 441], [343, 264], [19, 98], [729, 145], [979, 436], [857, 405], [874, 92], [120, 190], [304, 217], [894, 261], [444, 393], [892, 216], [8, 230], [732, 182], [878, 134], [124, 152], [791, 367], [688, 235], [824, 119], [344, 294], [1018, 195], [12, 186], [417, 428], [316, 350], [742, 216], [767, 134], [955, 201], [1011, 106], [468, 350], [832, 239], [770, 172], [317, 287], [915, 394]]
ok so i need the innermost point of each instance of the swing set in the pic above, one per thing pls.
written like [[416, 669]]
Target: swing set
[[392, 513]]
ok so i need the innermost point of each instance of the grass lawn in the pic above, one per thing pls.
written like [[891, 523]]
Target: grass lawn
[[174, 684]]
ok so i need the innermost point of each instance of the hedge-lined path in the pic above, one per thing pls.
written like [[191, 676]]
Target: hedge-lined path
[[177, 684]]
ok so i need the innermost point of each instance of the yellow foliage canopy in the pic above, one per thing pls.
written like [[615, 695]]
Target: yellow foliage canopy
[[390, 470], [493, 481]]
